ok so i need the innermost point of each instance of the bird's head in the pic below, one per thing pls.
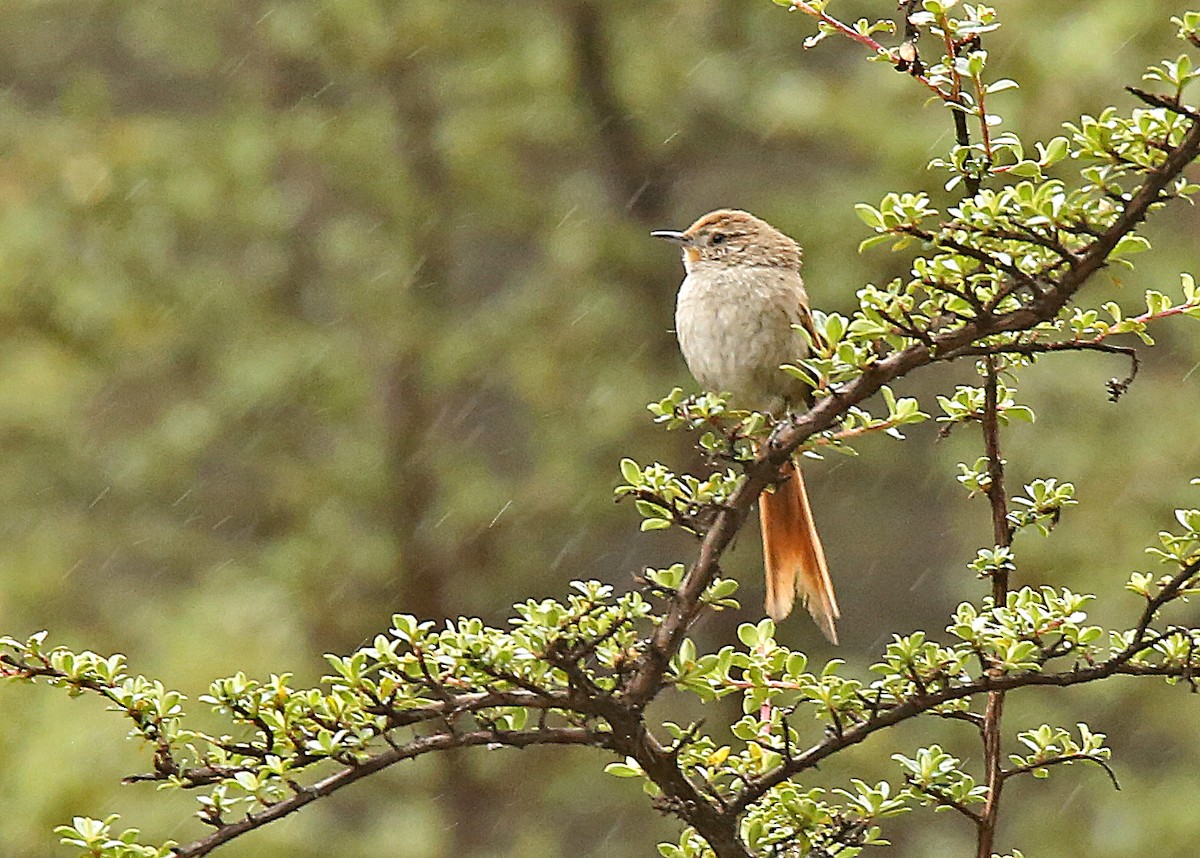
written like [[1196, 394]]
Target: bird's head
[[730, 238]]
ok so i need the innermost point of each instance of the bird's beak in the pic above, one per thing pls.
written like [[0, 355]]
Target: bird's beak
[[673, 235]]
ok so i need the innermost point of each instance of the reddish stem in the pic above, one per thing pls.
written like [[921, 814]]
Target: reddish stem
[[1147, 317], [865, 40]]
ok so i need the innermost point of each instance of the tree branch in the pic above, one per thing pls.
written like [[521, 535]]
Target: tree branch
[[327, 786]]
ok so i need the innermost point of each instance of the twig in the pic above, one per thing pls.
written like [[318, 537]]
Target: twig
[[985, 133], [1031, 236], [1155, 100], [940, 798], [972, 718], [958, 107], [981, 256], [1067, 758]]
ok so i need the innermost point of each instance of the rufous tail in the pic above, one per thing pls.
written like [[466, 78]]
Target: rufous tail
[[792, 554]]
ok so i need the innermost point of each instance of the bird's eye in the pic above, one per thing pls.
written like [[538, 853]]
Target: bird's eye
[[718, 238]]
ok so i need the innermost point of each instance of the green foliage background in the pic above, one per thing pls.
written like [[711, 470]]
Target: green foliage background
[[316, 312]]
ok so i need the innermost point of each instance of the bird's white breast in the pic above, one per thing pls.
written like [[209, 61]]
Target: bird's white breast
[[734, 325]]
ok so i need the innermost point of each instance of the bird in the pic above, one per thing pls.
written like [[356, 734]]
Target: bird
[[738, 316]]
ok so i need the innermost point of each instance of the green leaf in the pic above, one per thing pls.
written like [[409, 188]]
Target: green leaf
[[874, 241], [1028, 169], [1020, 412], [627, 769], [1054, 151], [1129, 245], [869, 215]]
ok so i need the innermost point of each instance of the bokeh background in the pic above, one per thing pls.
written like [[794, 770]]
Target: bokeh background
[[313, 312]]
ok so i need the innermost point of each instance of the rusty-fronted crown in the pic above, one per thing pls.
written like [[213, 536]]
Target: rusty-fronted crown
[[730, 237]]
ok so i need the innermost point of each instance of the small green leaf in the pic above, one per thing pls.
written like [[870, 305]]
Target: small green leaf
[[627, 769], [1130, 244], [874, 241], [869, 215]]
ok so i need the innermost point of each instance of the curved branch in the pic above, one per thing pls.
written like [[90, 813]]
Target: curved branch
[[1068, 758], [1116, 386]]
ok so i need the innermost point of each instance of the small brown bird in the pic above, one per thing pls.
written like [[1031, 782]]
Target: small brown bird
[[735, 318]]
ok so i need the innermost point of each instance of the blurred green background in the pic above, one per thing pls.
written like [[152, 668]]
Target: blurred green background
[[313, 312]]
